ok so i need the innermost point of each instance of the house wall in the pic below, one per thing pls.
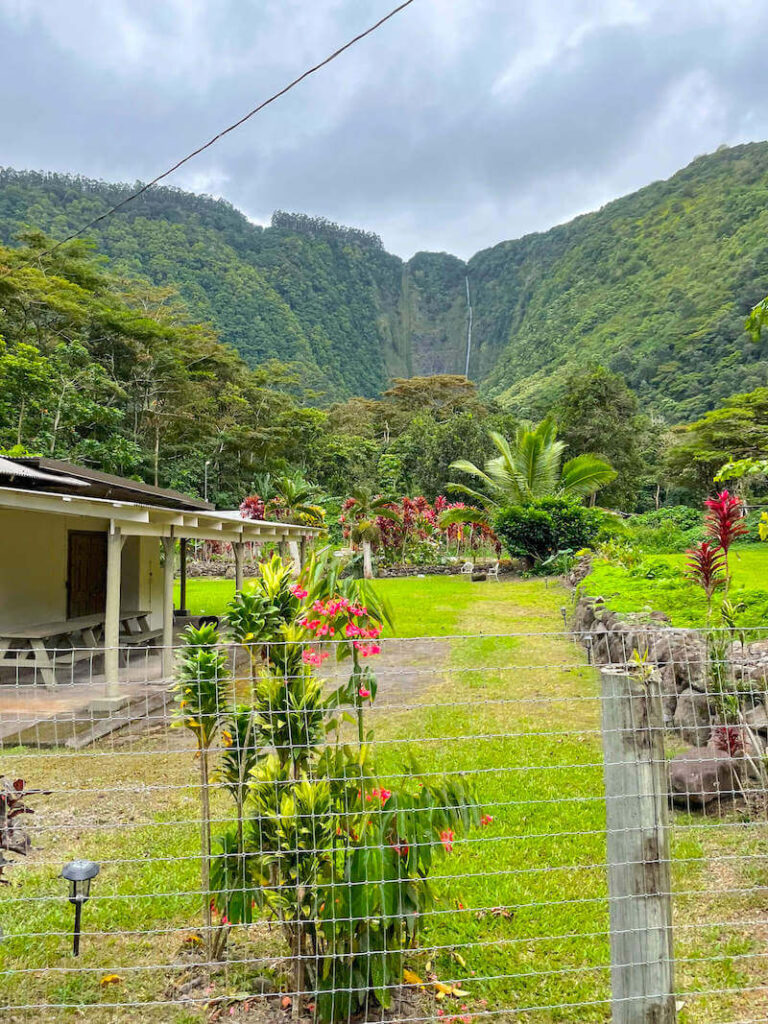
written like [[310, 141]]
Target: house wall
[[33, 568]]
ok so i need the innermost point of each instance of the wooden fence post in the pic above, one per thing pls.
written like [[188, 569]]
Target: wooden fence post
[[639, 877]]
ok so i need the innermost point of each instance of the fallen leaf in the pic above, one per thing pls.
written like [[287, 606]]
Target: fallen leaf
[[110, 979], [411, 978], [459, 959], [286, 1002]]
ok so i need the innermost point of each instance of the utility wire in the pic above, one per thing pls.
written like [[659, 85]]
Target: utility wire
[[215, 139]]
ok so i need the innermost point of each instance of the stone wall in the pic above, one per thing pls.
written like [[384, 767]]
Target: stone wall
[[681, 659]]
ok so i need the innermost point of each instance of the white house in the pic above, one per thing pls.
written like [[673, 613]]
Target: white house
[[81, 566]]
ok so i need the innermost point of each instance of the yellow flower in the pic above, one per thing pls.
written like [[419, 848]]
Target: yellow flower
[[183, 704], [226, 738]]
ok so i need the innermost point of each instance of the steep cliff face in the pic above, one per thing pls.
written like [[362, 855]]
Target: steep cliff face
[[655, 285]]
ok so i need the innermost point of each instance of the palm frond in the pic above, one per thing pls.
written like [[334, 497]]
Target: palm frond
[[585, 475], [465, 466], [454, 516]]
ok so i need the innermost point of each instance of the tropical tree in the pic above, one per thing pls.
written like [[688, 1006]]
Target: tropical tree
[[365, 509], [526, 469], [294, 500]]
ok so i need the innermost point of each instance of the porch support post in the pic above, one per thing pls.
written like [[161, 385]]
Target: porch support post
[[303, 552], [112, 612], [183, 576], [168, 574], [239, 550]]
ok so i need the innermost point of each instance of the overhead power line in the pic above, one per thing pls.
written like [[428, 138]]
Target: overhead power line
[[215, 139]]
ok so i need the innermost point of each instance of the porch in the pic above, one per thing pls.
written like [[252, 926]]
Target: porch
[[86, 587]]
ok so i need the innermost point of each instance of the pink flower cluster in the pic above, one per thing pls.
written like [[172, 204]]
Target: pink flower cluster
[[366, 650], [338, 614], [446, 838], [382, 794], [299, 592], [315, 658]]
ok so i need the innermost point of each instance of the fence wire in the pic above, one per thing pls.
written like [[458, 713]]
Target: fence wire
[[419, 836]]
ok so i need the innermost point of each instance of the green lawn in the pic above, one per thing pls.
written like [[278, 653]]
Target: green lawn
[[522, 902], [658, 584]]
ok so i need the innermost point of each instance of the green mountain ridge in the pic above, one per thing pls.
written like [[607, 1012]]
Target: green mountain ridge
[[655, 285]]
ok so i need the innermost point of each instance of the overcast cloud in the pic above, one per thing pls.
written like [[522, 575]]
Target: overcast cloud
[[459, 124]]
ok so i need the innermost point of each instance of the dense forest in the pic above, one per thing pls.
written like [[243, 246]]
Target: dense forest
[[654, 286]]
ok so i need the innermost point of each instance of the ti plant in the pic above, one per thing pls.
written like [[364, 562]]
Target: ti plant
[[254, 616], [202, 676], [725, 524], [320, 845], [706, 568]]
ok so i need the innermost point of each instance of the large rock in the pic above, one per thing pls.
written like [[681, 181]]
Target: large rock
[[668, 689], [757, 718], [702, 775], [693, 717]]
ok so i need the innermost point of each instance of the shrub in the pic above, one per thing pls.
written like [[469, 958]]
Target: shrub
[[666, 530], [541, 529]]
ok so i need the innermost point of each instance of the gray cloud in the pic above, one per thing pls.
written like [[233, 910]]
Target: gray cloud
[[459, 124]]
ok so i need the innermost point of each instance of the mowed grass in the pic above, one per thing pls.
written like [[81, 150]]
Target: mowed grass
[[521, 917], [658, 583]]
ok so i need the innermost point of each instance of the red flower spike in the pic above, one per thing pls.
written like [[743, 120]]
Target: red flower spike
[[706, 567], [725, 520]]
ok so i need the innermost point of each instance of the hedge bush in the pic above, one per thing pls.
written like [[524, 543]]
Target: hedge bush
[[541, 529]]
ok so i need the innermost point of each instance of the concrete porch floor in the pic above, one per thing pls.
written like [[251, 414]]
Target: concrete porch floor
[[66, 714]]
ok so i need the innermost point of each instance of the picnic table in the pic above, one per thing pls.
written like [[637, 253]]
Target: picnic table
[[48, 645]]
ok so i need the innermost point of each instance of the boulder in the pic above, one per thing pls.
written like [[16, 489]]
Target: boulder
[[668, 690], [693, 717], [757, 718], [702, 775]]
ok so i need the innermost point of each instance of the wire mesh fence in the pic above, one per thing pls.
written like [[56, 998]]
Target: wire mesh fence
[[447, 827]]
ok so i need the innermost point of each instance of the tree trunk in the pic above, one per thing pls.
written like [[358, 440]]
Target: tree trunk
[[367, 563], [19, 432], [157, 454]]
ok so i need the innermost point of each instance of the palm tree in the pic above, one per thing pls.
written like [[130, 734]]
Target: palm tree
[[366, 509], [528, 468], [293, 499]]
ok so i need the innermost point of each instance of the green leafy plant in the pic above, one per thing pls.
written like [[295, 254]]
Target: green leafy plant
[[541, 528], [320, 845], [202, 680]]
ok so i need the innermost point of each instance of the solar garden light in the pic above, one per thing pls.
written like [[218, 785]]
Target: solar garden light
[[79, 874]]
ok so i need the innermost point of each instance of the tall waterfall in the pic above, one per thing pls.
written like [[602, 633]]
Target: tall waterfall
[[469, 325]]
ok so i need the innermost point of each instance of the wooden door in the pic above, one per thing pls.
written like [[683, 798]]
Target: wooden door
[[86, 573]]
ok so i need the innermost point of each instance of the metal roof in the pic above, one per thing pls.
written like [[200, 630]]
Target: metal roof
[[39, 473], [21, 471]]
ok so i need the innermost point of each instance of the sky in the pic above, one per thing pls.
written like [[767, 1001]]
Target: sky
[[457, 125]]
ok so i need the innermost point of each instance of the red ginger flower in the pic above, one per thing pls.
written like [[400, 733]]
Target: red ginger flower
[[446, 838], [724, 519], [706, 566]]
